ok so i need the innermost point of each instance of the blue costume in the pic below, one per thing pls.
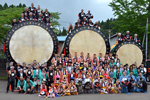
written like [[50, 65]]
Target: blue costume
[[124, 87], [141, 84], [132, 80]]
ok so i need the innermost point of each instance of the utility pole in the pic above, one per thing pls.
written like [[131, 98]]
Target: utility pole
[[146, 38], [109, 31]]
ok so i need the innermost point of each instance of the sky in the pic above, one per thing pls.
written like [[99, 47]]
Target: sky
[[69, 9]]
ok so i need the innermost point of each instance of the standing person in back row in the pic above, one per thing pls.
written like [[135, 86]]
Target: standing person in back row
[[81, 15], [143, 70], [11, 79], [32, 9], [89, 15], [46, 14]]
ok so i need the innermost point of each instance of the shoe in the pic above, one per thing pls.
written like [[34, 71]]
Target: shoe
[[12, 91], [128, 93], [145, 92], [6, 91]]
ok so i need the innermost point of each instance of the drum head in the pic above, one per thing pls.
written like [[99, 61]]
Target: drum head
[[88, 40], [31, 42], [130, 52]]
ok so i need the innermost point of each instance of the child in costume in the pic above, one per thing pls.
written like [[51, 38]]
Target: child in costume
[[52, 91], [103, 87], [90, 74], [117, 87], [96, 84], [64, 81], [57, 77], [61, 90], [43, 90], [87, 84], [73, 88], [83, 76], [78, 83], [96, 73], [110, 86], [67, 89], [100, 73], [71, 76], [37, 77]]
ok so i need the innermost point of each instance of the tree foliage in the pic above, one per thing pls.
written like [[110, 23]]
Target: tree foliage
[[131, 15], [6, 17], [106, 26]]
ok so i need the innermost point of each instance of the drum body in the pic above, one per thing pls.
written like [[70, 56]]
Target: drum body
[[30, 41], [87, 39], [130, 52]]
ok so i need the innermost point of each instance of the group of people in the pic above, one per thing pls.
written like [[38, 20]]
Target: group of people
[[74, 75], [32, 13], [127, 37], [84, 20]]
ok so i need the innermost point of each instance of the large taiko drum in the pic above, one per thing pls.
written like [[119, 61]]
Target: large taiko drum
[[130, 52], [88, 40], [30, 41]]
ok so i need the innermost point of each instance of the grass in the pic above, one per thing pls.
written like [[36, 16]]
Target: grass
[[3, 78]]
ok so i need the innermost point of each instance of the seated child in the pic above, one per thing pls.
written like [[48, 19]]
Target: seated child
[[110, 86], [73, 88], [52, 91], [43, 90], [61, 90], [67, 89], [117, 87], [95, 83], [103, 86]]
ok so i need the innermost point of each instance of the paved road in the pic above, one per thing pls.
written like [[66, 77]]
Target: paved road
[[17, 96]]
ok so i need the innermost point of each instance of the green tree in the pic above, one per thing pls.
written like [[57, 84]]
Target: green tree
[[54, 18], [20, 5], [106, 26], [6, 17], [24, 5], [11, 6], [5, 6], [1, 7], [64, 31], [132, 15]]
